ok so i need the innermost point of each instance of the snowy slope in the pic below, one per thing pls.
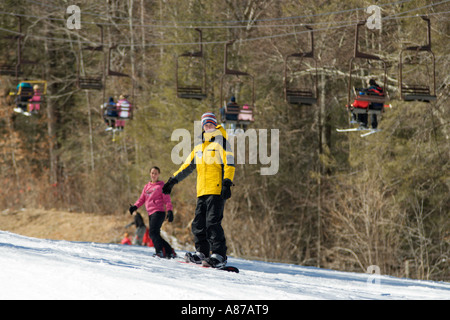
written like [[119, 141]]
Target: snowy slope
[[48, 269]]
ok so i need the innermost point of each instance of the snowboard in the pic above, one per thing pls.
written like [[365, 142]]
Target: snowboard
[[224, 268]]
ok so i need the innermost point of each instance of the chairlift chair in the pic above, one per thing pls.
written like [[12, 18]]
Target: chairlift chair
[[130, 108], [301, 95], [243, 115], [418, 92], [91, 81], [24, 96], [195, 90], [367, 96]]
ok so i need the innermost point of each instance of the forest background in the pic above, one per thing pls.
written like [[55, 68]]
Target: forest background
[[337, 201]]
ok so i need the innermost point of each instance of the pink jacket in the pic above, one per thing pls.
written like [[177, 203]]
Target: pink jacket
[[154, 199]]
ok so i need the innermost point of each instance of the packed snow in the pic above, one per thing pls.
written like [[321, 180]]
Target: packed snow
[[52, 269]]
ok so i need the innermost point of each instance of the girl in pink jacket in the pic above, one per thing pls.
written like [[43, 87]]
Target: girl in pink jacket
[[156, 204]]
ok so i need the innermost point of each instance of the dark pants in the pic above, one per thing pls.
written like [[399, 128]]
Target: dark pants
[[23, 105], [155, 222], [207, 225], [378, 107], [364, 117]]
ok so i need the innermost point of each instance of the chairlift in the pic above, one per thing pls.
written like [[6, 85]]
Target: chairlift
[[26, 96], [91, 81], [125, 110], [371, 98], [421, 92], [300, 95], [358, 93], [24, 93], [236, 114], [197, 89]]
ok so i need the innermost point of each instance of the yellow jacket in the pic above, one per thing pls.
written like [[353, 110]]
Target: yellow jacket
[[214, 161]]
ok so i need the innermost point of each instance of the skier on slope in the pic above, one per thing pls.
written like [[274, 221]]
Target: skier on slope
[[214, 162]]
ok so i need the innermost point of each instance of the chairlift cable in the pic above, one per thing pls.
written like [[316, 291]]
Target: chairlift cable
[[347, 24], [230, 21]]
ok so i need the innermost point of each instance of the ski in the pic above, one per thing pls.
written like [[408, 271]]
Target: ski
[[370, 132], [25, 113], [352, 129]]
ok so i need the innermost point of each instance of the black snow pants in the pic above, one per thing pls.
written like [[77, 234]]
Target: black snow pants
[[155, 222], [207, 225]]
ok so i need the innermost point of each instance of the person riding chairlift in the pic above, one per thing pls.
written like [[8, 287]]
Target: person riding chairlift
[[229, 113], [375, 88], [110, 113], [24, 92], [124, 111], [245, 115], [35, 107], [362, 118]]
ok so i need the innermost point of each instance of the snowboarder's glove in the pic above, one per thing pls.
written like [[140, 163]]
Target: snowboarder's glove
[[226, 189], [167, 189], [170, 215], [133, 209]]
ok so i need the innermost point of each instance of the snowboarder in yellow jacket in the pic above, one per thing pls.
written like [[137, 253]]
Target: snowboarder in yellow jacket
[[214, 161]]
